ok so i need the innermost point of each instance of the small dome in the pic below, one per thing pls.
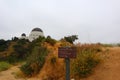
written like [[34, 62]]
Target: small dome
[[37, 29], [23, 34]]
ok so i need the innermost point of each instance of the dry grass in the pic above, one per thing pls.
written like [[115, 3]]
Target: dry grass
[[53, 70], [107, 70]]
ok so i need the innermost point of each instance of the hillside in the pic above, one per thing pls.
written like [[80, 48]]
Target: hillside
[[38, 60], [109, 69]]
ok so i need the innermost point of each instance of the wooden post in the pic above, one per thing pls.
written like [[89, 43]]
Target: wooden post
[[67, 60]]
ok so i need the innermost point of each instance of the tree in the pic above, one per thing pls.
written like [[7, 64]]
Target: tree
[[4, 44], [71, 39], [15, 39]]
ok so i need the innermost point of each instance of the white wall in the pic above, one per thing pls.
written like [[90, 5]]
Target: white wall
[[34, 35]]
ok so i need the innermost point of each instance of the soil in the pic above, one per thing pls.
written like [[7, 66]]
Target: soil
[[110, 68], [9, 74]]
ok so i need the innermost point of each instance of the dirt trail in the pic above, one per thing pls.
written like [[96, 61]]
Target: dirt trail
[[9, 74], [110, 68]]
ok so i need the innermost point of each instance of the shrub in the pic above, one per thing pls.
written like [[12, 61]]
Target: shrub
[[15, 39], [27, 69], [71, 39], [12, 59], [22, 41], [118, 44], [4, 45], [20, 51], [35, 61], [64, 43], [4, 66], [86, 60], [37, 42], [50, 40]]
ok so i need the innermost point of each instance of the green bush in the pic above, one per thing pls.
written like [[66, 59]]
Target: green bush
[[15, 50], [22, 41], [86, 60], [27, 69], [118, 44], [71, 39], [50, 40], [4, 66], [20, 51], [35, 61], [37, 42], [4, 45], [12, 59]]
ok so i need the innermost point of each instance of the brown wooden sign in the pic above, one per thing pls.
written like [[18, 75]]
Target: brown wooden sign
[[67, 52]]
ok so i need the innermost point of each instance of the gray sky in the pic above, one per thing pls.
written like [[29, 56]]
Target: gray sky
[[91, 20]]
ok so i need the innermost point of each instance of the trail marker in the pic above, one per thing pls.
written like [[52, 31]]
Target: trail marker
[[67, 53]]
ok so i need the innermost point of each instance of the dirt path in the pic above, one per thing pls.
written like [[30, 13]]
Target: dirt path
[[110, 68], [9, 74]]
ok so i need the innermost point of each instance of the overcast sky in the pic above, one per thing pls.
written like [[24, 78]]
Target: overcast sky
[[92, 20]]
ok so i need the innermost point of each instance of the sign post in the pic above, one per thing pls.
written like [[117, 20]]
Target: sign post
[[67, 53], [67, 60]]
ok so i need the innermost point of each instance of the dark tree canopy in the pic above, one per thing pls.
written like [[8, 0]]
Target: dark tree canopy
[[71, 39], [4, 44]]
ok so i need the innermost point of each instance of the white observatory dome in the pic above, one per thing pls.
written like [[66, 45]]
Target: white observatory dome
[[35, 33]]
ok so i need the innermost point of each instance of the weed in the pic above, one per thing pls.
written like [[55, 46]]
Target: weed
[[86, 60], [4, 66], [35, 61]]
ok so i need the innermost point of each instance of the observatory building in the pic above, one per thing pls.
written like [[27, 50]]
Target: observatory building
[[23, 36], [34, 34]]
